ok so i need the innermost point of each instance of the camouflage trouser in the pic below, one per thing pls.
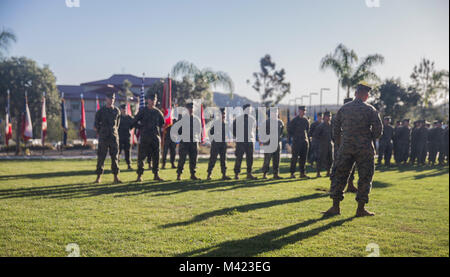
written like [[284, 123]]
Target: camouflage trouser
[[434, 150], [241, 149], [299, 154], [385, 151], [103, 146], [148, 149], [314, 152], [403, 149], [218, 149], [423, 154], [169, 146], [344, 164], [333, 167], [126, 147], [325, 157], [188, 148], [276, 161]]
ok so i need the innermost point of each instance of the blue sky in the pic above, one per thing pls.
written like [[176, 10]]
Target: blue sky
[[103, 37]]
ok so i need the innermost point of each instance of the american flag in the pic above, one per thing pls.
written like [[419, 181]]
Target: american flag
[[142, 96]]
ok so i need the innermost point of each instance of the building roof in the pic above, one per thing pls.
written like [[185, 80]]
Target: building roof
[[117, 80]]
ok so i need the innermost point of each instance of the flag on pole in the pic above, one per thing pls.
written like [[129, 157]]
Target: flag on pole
[[27, 128], [64, 119], [44, 121], [141, 103], [142, 96], [8, 130], [83, 122], [167, 102], [97, 103]]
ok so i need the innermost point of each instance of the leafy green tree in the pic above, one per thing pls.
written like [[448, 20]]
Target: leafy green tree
[[203, 80], [125, 89], [270, 83], [344, 62], [20, 74], [181, 91], [391, 98], [6, 37], [430, 83]]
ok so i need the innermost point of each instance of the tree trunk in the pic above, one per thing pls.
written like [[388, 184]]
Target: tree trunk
[[348, 92]]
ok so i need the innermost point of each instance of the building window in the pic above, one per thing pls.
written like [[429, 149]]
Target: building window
[[75, 107]]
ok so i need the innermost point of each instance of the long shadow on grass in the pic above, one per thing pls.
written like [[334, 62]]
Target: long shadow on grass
[[70, 191], [244, 209], [265, 242], [46, 175]]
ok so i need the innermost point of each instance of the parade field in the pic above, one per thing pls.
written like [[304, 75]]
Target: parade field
[[47, 205]]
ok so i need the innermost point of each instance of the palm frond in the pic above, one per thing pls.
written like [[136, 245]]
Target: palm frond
[[184, 68]]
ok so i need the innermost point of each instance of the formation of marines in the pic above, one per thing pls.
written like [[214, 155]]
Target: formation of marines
[[339, 145]]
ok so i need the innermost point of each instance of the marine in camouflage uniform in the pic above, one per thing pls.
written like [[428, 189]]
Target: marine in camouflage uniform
[[359, 124], [313, 154], [245, 145], [169, 147], [423, 156], [436, 135], [151, 121], [218, 146], [445, 145], [323, 134], [414, 142], [395, 142], [189, 146], [385, 143], [403, 141], [107, 121], [124, 134], [337, 140], [298, 130], [276, 155]]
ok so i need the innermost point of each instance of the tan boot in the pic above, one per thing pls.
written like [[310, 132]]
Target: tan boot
[[178, 177], [99, 179], [225, 177], [251, 177], [117, 180], [139, 178], [157, 178], [361, 211], [334, 210]]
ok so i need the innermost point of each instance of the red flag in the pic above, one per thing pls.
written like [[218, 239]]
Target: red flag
[[44, 121], [97, 103], [27, 128], [8, 130], [167, 102], [203, 124], [83, 122]]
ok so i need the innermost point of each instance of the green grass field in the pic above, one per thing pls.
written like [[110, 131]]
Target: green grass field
[[45, 205]]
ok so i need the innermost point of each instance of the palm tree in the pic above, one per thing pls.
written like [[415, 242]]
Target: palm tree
[[344, 63], [203, 79], [6, 37]]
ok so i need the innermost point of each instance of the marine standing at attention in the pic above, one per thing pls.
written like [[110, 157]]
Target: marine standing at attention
[[298, 130], [107, 121], [359, 124], [151, 121]]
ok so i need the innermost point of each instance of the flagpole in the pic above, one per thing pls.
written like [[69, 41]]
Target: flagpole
[[42, 131]]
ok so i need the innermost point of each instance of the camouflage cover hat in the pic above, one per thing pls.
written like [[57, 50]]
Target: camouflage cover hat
[[152, 96], [302, 108], [327, 113], [363, 86], [110, 95]]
